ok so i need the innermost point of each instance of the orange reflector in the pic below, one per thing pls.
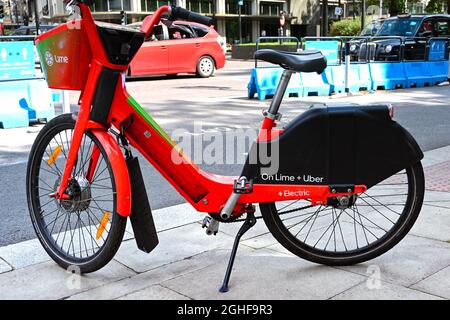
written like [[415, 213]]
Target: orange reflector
[[54, 155], [102, 225]]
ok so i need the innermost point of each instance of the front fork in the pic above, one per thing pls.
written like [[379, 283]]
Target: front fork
[[80, 129], [81, 126]]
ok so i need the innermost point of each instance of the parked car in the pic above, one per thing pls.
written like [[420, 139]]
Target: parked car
[[179, 47], [31, 30], [414, 30], [372, 28], [369, 30]]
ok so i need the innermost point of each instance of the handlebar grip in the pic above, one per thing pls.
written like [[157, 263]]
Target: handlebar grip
[[181, 13]]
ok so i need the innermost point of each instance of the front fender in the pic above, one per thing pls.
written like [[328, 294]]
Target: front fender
[[119, 167]]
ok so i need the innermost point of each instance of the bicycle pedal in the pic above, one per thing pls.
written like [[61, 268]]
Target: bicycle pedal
[[213, 227], [206, 221]]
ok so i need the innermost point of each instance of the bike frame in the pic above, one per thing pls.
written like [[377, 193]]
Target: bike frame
[[206, 192]]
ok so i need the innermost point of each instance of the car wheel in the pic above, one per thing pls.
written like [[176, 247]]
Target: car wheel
[[205, 67]]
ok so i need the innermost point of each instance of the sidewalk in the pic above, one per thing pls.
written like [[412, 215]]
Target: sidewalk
[[187, 264]]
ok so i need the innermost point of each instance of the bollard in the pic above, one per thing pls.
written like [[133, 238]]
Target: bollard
[[347, 67], [448, 55], [65, 102]]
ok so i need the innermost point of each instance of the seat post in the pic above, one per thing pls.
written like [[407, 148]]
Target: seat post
[[281, 90]]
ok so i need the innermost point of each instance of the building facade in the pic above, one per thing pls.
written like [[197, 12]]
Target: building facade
[[259, 17]]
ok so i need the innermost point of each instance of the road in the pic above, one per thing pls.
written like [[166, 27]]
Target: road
[[218, 105]]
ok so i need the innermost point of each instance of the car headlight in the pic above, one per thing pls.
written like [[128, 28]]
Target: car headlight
[[353, 48], [388, 48]]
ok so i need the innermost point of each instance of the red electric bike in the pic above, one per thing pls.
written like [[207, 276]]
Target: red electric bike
[[343, 183]]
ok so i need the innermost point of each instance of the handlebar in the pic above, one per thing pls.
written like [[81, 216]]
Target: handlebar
[[181, 13]]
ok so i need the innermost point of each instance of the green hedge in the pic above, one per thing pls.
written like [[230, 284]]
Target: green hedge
[[346, 27]]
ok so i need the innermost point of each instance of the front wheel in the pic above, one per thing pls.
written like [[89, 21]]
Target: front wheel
[[351, 231], [84, 231], [205, 67]]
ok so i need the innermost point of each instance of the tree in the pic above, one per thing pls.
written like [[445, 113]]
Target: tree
[[437, 6]]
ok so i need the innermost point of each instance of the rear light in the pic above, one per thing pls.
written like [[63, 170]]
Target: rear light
[[391, 111], [223, 44]]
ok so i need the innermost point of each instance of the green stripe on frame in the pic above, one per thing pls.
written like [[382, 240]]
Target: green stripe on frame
[[138, 108]]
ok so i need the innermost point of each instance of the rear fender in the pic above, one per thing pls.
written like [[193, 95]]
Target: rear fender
[[119, 167], [336, 145]]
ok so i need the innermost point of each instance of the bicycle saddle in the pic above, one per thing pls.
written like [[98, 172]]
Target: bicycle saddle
[[306, 61]]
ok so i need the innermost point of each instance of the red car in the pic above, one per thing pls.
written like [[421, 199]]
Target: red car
[[180, 47]]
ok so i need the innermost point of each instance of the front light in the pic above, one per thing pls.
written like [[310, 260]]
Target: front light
[[353, 48], [388, 48]]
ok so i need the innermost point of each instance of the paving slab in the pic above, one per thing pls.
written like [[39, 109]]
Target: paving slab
[[24, 254], [433, 222], [174, 245], [4, 267], [437, 284], [154, 292], [437, 199], [436, 156], [114, 290], [49, 281], [410, 261], [383, 291], [231, 229], [260, 241], [266, 274], [173, 217]]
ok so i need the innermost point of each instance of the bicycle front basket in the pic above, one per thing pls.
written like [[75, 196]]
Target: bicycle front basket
[[65, 55]]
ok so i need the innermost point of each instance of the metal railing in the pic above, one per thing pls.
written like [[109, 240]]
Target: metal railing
[[278, 39], [17, 38]]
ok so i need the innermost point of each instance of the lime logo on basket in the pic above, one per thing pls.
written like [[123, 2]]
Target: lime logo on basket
[[50, 58]]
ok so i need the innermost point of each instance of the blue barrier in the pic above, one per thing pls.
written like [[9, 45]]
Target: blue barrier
[[28, 100], [264, 82], [316, 84], [373, 75], [417, 74], [359, 77], [12, 115], [41, 100], [387, 75], [438, 71]]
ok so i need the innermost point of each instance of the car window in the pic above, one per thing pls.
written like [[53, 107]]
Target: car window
[[180, 31], [427, 28], [400, 27], [19, 32], [159, 33], [200, 31], [442, 29]]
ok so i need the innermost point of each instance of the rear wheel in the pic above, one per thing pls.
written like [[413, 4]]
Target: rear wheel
[[353, 230], [84, 231], [205, 67]]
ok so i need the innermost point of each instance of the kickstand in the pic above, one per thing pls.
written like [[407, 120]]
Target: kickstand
[[250, 221]]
